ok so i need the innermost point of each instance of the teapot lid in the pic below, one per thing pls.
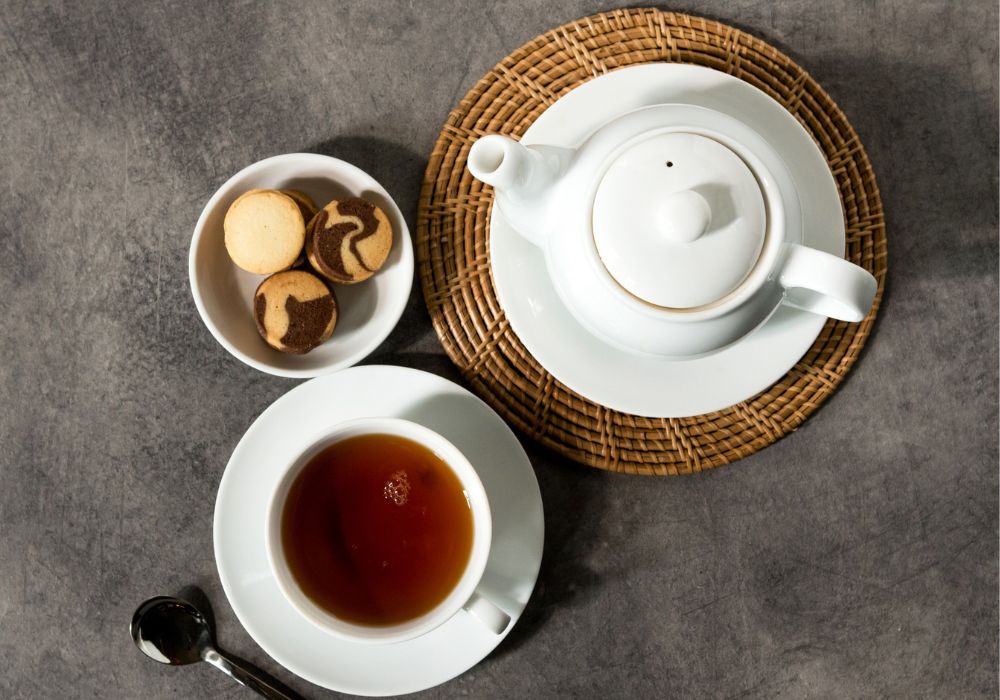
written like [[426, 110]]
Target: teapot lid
[[679, 220]]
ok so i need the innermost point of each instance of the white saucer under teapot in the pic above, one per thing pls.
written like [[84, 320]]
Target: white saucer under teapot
[[674, 230]]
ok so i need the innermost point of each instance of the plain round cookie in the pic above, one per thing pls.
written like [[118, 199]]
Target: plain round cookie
[[348, 240], [294, 311], [264, 231]]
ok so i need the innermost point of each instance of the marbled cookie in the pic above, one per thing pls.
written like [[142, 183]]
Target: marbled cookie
[[348, 240], [308, 208], [306, 205], [295, 311], [264, 231]]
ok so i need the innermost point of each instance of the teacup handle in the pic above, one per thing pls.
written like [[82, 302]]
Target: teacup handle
[[489, 615], [826, 284]]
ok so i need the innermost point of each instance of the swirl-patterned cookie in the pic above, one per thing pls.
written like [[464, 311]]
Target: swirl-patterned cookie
[[295, 311], [264, 231], [308, 208], [348, 240], [305, 203]]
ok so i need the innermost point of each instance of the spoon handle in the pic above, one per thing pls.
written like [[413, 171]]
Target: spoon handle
[[254, 679]]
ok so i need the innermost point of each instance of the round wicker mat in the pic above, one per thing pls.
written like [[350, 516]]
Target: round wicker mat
[[453, 252]]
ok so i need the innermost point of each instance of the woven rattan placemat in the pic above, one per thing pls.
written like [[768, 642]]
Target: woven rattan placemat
[[453, 251]]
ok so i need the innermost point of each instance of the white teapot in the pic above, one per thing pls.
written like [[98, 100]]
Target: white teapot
[[673, 230]]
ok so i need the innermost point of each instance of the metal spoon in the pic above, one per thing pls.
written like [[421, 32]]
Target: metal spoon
[[173, 631]]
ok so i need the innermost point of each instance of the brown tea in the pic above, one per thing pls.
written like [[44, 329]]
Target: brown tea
[[376, 529]]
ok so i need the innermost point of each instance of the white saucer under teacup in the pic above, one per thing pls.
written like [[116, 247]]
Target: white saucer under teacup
[[646, 384], [286, 429]]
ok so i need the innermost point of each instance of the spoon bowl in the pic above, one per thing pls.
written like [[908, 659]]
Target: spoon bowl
[[173, 631]]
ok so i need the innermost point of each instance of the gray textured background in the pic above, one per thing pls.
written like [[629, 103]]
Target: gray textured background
[[857, 557]]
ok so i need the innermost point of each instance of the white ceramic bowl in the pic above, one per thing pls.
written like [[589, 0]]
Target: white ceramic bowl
[[223, 293]]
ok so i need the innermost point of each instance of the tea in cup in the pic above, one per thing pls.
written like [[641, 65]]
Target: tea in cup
[[380, 532]]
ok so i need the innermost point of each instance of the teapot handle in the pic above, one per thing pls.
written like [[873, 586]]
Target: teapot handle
[[826, 284]]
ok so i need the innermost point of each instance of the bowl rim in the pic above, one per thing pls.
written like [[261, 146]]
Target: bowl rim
[[395, 311]]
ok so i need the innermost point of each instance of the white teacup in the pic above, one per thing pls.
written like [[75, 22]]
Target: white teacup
[[464, 595]]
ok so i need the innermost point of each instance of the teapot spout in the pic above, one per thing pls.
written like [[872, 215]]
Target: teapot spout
[[523, 177], [502, 162]]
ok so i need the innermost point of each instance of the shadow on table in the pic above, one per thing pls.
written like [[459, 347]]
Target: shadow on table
[[573, 496], [929, 129], [924, 130], [397, 168], [932, 142]]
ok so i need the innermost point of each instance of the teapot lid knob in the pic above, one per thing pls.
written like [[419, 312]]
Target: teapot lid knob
[[684, 216]]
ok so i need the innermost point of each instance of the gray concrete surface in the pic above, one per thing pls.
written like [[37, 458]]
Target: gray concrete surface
[[856, 558]]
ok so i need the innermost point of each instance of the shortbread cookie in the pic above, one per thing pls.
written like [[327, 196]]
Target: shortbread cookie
[[295, 311], [348, 240], [264, 231]]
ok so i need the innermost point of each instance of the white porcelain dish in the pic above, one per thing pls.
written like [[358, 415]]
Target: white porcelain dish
[[223, 293], [286, 429]]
